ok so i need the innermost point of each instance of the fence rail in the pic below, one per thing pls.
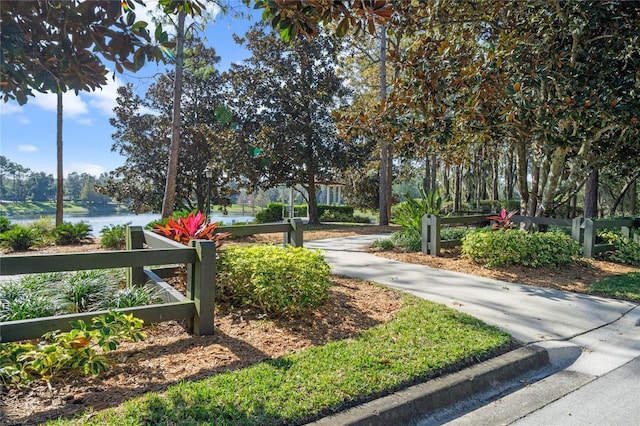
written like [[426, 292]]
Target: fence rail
[[199, 257], [583, 231]]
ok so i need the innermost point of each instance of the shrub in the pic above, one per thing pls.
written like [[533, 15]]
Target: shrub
[[626, 251], [383, 244], [453, 233], [5, 224], [275, 280], [515, 247], [19, 238], [273, 212], [72, 350], [333, 216], [407, 240], [344, 211], [408, 213], [192, 227], [114, 236], [68, 233]]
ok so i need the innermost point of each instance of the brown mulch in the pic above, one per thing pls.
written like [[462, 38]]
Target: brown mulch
[[170, 354]]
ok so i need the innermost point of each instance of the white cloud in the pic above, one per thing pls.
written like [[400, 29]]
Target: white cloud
[[91, 169], [72, 104], [9, 108], [27, 148], [104, 99]]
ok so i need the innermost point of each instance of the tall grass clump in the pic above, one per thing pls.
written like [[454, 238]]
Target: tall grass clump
[[516, 247], [114, 236]]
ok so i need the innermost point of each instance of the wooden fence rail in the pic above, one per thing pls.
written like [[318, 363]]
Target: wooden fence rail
[[582, 230], [199, 257]]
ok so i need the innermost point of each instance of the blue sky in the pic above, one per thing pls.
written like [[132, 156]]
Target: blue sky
[[28, 133]]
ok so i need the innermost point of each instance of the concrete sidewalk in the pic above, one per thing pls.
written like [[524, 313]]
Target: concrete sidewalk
[[599, 334]]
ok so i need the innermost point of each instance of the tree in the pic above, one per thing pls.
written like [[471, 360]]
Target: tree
[[52, 46], [42, 186], [283, 98], [144, 138]]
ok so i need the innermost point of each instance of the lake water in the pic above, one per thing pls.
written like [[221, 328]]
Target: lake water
[[99, 222]]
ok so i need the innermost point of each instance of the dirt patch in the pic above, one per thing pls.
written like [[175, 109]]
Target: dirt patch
[[576, 278]]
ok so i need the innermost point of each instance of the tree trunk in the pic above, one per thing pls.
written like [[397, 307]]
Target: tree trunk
[[509, 176], [633, 197], [627, 187], [522, 159], [495, 196], [445, 181], [426, 180], [169, 199], [555, 172], [385, 184], [434, 172], [314, 218], [591, 195], [59, 174], [457, 189]]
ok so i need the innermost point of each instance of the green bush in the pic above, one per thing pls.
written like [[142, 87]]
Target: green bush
[[407, 240], [345, 211], [68, 233], [275, 280], [516, 247], [114, 236], [453, 233], [409, 213], [19, 238], [60, 352], [333, 216], [273, 212], [626, 251], [5, 224], [383, 244]]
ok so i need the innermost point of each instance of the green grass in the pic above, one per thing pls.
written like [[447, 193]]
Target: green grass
[[424, 340], [623, 287]]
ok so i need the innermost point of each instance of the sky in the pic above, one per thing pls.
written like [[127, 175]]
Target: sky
[[28, 132]]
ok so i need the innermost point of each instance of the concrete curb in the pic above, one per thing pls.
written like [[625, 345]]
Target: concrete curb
[[409, 405]]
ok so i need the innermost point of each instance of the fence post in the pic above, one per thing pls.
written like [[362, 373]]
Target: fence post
[[626, 231], [434, 238], [294, 235], [576, 231], [426, 232], [135, 241], [589, 238], [201, 286]]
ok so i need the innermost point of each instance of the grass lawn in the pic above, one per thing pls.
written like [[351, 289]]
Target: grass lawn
[[425, 340], [623, 287]]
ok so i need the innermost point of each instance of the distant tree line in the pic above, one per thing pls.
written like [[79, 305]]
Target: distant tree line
[[19, 183]]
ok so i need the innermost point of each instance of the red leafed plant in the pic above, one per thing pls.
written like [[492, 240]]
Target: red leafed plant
[[192, 227], [502, 220]]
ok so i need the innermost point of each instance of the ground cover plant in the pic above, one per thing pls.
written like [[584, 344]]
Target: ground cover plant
[[75, 350], [41, 295], [621, 287], [423, 339]]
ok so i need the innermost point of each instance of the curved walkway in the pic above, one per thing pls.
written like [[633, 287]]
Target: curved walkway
[[606, 330]]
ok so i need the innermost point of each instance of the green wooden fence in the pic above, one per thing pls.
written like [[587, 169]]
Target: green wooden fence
[[582, 230], [199, 257]]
